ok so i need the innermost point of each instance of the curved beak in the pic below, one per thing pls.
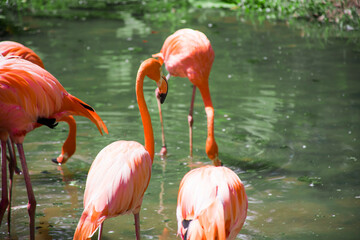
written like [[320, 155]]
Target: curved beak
[[163, 89]]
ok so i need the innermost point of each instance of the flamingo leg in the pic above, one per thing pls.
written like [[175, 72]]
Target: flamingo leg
[[100, 230], [4, 190], [12, 168], [137, 225], [32, 202], [163, 149], [191, 120], [13, 164]]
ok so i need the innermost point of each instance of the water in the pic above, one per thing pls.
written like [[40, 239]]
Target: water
[[286, 121]]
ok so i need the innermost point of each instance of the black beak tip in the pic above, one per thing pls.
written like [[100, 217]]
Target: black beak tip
[[162, 97], [54, 160]]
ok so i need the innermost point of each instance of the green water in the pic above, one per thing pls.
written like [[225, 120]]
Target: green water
[[287, 111]]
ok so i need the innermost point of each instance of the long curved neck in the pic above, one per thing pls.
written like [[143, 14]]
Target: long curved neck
[[145, 116], [69, 145], [209, 109], [211, 146]]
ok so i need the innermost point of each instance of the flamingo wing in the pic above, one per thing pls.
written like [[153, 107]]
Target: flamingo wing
[[30, 93], [116, 183], [27, 92], [202, 192], [188, 53]]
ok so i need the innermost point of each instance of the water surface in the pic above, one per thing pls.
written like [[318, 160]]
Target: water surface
[[287, 116]]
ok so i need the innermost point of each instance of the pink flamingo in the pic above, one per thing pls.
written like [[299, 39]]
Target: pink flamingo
[[10, 48], [188, 53], [120, 173], [212, 204], [30, 97]]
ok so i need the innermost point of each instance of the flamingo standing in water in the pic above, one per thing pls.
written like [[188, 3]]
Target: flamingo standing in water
[[120, 173], [10, 48], [30, 97], [188, 53], [212, 204]]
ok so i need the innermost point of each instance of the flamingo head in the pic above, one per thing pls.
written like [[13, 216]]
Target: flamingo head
[[154, 72], [61, 159], [212, 151], [163, 88]]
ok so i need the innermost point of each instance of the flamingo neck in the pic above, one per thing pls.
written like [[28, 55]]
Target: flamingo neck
[[69, 146], [211, 146], [145, 116]]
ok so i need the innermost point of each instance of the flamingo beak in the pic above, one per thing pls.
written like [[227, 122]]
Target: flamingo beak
[[163, 90]]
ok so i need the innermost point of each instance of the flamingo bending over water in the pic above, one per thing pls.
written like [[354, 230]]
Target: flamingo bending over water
[[188, 53], [30, 97], [212, 204], [120, 173], [10, 48]]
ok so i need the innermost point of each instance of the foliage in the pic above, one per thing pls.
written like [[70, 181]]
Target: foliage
[[344, 13]]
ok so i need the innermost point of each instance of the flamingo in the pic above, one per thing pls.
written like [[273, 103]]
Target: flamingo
[[188, 53], [120, 173], [30, 97], [212, 204], [11, 48]]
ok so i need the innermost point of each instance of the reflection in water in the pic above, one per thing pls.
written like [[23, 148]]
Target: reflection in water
[[57, 214], [160, 211], [132, 27]]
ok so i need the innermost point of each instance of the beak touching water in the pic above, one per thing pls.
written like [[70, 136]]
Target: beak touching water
[[163, 89]]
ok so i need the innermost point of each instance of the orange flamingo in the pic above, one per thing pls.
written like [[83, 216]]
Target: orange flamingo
[[120, 173], [10, 48], [30, 97], [188, 53], [212, 204]]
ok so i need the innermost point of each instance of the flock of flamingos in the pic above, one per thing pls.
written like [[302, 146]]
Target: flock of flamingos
[[212, 203]]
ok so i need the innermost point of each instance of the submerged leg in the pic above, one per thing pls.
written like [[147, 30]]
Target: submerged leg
[[12, 168], [31, 197], [4, 190], [137, 226], [13, 162], [100, 230], [163, 149], [191, 120]]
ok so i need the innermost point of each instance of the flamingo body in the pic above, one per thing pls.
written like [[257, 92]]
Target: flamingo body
[[120, 191], [120, 174], [15, 49], [30, 97], [30, 94], [212, 204], [188, 53]]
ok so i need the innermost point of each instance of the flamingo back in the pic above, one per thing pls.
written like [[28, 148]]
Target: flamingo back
[[10, 48], [210, 200], [27, 92], [188, 53], [116, 183]]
